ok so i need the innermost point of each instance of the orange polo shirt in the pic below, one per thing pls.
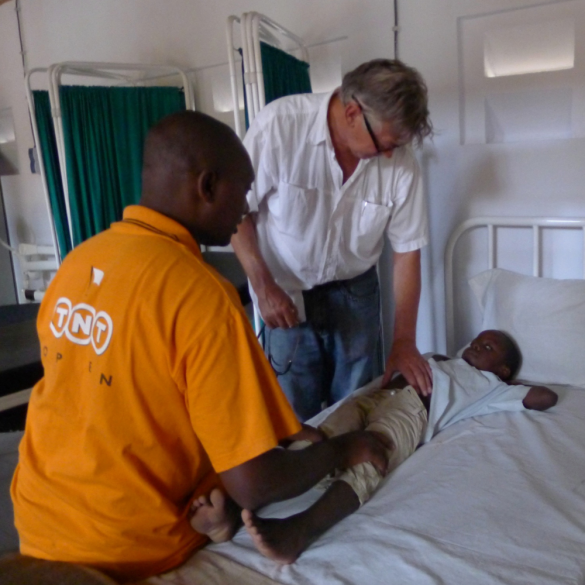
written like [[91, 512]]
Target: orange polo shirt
[[154, 382]]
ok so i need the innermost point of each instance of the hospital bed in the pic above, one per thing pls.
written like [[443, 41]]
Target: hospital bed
[[495, 499]]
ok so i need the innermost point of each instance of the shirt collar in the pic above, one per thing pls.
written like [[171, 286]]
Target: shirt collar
[[320, 131], [138, 218]]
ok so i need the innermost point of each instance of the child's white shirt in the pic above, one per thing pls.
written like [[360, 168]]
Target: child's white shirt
[[461, 391]]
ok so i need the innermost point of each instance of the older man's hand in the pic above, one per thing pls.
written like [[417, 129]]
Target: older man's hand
[[406, 359], [277, 308]]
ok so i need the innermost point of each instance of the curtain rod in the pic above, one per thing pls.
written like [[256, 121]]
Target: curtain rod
[[312, 45]]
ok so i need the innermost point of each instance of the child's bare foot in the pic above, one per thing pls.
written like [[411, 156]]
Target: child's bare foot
[[281, 540], [215, 516]]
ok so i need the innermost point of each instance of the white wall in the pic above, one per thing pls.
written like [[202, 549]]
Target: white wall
[[527, 177]]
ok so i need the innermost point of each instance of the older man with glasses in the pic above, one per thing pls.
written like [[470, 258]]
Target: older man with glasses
[[335, 175]]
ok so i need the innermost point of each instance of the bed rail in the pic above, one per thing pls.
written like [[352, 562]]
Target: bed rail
[[492, 223]]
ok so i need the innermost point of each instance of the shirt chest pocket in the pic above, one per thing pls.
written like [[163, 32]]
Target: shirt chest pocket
[[368, 222], [293, 209]]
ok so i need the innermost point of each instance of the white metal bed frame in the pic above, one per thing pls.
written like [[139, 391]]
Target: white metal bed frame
[[253, 28], [112, 71], [15, 399], [492, 223]]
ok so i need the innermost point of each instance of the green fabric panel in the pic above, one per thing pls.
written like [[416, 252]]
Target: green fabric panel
[[104, 130], [283, 73], [48, 150]]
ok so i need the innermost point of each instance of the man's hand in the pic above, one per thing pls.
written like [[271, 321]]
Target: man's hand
[[276, 307], [406, 359], [363, 446], [307, 433]]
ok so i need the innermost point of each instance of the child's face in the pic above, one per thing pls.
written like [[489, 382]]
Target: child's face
[[487, 352]]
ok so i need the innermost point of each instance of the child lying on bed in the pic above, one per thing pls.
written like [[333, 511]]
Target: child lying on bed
[[474, 385]]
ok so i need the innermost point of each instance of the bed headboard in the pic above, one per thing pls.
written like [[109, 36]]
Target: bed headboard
[[536, 224]]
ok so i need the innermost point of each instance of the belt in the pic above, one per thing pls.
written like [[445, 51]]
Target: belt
[[334, 283]]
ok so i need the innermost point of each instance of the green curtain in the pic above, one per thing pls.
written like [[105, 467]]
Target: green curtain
[[104, 130], [48, 150], [283, 74]]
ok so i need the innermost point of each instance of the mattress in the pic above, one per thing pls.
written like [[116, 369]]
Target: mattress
[[494, 499]]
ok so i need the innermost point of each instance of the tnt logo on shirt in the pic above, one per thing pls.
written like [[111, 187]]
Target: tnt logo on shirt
[[82, 324]]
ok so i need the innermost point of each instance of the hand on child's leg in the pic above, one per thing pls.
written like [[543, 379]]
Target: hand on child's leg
[[367, 446], [307, 433]]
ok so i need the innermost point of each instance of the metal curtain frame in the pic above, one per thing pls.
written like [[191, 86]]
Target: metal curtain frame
[[492, 223], [253, 26], [31, 107], [100, 70]]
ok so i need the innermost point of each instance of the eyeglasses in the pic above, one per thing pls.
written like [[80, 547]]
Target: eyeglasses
[[279, 370], [379, 149]]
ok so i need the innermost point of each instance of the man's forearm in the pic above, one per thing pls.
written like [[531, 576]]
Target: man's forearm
[[407, 287], [404, 356], [280, 474], [245, 245]]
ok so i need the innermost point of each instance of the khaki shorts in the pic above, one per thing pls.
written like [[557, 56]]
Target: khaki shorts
[[398, 414]]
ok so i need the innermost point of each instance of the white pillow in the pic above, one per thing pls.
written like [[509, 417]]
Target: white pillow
[[545, 316]]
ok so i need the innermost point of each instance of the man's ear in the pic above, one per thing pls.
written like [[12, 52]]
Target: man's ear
[[352, 113], [206, 182]]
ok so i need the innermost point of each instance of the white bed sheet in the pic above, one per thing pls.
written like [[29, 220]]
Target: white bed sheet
[[496, 499]]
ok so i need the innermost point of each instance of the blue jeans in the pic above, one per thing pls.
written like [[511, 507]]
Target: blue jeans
[[334, 351]]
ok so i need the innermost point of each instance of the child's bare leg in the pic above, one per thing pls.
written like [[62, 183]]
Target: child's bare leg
[[283, 540], [216, 516]]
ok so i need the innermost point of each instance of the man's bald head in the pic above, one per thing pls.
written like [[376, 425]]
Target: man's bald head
[[190, 142], [197, 172]]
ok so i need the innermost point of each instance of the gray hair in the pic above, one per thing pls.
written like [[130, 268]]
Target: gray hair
[[390, 91]]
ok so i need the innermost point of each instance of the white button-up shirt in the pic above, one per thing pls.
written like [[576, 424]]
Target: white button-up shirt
[[311, 227]]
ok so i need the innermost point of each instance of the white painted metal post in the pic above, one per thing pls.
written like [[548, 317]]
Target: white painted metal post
[[491, 247], [35, 128], [535, 250], [233, 73]]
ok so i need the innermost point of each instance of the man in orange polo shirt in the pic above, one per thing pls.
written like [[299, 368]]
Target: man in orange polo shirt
[[155, 389]]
